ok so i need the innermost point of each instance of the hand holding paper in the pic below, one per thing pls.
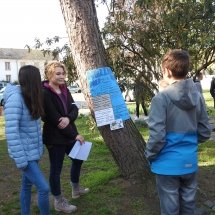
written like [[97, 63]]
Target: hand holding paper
[[79, 151], [80, 139]]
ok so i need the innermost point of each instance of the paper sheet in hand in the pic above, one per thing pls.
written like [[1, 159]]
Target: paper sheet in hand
[[79, 151]]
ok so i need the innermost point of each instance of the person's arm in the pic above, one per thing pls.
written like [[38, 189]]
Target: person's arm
[[157, 128], [53, 115], [204, 129], [72, 114], [50, 108], [13, 112]]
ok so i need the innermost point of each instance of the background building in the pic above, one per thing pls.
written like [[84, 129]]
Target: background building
[[12, 59]]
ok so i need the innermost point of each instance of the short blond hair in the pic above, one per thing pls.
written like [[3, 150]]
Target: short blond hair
[[50, 69]]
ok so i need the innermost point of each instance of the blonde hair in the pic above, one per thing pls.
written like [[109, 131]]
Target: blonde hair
[[50, 69]]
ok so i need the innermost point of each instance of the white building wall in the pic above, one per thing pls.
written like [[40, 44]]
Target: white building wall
[[12, 72], [15, 66]]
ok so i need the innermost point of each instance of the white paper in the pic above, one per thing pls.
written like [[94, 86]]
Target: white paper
[[104, 117], [79, 151]]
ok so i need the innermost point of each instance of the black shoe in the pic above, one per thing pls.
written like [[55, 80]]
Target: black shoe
[[213, 129]]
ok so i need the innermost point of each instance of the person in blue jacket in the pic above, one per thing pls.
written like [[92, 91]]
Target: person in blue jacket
[[22, 110], [178, 121]]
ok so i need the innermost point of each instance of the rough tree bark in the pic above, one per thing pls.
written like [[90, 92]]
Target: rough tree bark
[[126, 145]]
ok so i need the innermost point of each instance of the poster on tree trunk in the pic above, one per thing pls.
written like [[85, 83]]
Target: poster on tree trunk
[[108, 102]]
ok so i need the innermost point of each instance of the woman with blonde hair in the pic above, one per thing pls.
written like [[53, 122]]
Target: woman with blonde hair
[[60, 133]]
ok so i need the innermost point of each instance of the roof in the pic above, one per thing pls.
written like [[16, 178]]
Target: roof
[[9, 53]]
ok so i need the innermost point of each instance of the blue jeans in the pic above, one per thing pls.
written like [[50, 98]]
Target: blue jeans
[[32, 175], [177, 194], [56, 157]]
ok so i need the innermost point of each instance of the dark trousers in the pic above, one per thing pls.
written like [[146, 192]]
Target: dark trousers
[[56, 157], [138, 110]]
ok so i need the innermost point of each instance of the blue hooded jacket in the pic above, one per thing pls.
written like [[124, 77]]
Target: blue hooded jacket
[[178, 121], [23, 133]]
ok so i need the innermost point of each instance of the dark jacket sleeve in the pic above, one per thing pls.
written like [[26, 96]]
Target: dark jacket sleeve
[[212, 88], [52, 115], [203, 129], [51, 112]]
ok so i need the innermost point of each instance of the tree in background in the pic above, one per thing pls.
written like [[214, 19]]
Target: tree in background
[[58, 53], [138, 32]]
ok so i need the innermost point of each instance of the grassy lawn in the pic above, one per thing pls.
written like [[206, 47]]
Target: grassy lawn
[[110, 194]]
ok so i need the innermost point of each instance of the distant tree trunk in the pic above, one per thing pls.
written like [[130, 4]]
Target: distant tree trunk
[[126, 145]]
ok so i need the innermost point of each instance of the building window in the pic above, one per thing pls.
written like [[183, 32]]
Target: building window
[[7, 65], [8, 78]]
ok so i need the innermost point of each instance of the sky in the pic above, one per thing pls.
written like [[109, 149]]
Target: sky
[[21, 21]]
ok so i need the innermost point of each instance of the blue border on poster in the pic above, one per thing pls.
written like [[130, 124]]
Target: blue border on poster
[[102, 81]]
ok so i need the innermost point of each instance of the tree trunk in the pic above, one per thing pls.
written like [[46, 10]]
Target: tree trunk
[[126, 145]]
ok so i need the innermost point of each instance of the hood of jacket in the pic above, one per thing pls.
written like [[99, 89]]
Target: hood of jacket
[[45, 85], [183, 94], [63, 88], [10, 90]]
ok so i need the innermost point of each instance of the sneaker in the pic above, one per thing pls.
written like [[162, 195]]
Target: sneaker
[[62, 204], [146, 117], [136, 118], [78, 191]]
